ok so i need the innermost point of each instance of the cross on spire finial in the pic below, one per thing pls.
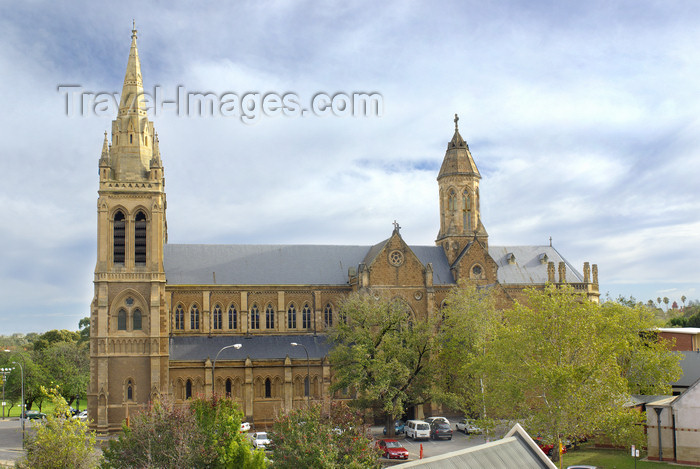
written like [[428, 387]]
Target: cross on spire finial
[[456, 120], [397, 227], [133, 29]]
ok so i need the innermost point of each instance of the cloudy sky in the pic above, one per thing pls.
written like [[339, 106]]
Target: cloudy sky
[[582, 118]]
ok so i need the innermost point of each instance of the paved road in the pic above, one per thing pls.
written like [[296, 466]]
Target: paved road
[[431, 447], [11, 440]]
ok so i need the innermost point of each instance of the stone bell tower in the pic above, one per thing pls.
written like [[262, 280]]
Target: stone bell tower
[[460, 216], [128, 319]]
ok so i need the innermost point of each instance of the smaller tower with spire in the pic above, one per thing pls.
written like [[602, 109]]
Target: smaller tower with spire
[[460, 215]]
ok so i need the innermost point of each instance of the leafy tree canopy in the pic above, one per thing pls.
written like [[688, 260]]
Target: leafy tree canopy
[[309, 437], [382, 353], [60, 442]]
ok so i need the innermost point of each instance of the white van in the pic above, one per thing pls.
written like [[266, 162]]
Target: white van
[[417, 429]]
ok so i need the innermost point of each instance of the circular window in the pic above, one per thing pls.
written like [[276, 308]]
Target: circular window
[[418, 295], [396, 258], [476, 271], [129, 301]]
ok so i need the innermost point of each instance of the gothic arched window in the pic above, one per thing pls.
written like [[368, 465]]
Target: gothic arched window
[[121, 320], [269, 317], [328, 315], [140, 238], [188, 389], [452, 200], [217, 317], [268, 388], [129, 390], [232, 317], [228, 387], [292, 317], [136, 320], [255, 317], [179, 318], [194, 317], [119, 237], [306, 317]]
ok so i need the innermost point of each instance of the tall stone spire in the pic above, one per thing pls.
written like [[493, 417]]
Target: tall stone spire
[[132, 132], [132, 90]]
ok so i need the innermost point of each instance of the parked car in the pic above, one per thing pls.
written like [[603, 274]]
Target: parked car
[[392, 449], [440, 429], [245, 426], [468, 427], [399, 427], [548, 448], [82, 415], [33, 415], [430, 420], [417, 429], [260, 440]]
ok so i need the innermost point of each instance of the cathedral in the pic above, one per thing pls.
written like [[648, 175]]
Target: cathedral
[[249, 320]]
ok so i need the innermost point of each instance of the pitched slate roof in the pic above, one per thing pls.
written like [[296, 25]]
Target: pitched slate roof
[[257, 347], [515, 450], [528, 268], [257, 264]]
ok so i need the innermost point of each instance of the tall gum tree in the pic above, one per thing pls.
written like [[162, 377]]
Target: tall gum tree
[[382, 353], [565, 366]]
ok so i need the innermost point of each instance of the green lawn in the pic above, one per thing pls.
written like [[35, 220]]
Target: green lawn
[[46, 408], [611, 459]]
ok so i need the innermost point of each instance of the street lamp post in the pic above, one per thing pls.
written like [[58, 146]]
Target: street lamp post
[[5, 372], [21, 408], [213, 364], [308, 374]]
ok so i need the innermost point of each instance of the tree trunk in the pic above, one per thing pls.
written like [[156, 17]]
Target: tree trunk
[[390, 428]]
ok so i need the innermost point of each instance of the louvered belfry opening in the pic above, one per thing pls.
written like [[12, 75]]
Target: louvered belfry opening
[[119, 237], [140, 239]]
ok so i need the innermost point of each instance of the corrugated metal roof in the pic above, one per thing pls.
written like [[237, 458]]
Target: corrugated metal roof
[[257, 264], [257, 347], [690, 364]]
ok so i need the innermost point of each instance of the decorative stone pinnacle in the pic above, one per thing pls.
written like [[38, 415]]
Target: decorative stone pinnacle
[[456, 120]]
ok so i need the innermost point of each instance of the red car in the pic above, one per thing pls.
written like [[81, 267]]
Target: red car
[[548, 448], [392, 449]]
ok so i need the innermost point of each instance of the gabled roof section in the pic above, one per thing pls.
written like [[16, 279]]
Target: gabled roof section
[[374, 251], [458, 159], [528, 267]]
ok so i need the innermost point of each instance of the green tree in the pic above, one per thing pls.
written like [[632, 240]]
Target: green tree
[[163, 436], [308, 437], [67, 366], [84, 326], [683, 298], [565, 366], [219, 423], [469, 323], [382, 353], [51, 337], [60, 442], [666, 300], [205, 434]]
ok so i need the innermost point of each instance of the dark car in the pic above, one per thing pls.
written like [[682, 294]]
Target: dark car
[[399, 427], [392, 449], [34, 415], [440, 430]]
